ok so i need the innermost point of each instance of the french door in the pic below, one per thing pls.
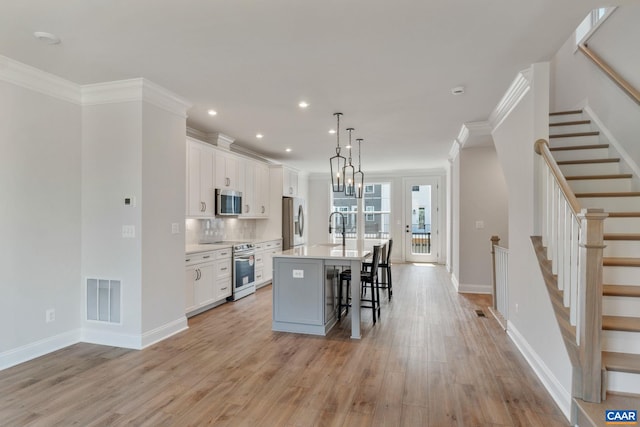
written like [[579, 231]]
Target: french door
[[421, 219]]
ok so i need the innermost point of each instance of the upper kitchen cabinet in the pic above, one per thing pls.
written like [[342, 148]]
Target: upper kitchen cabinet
[[227, 171], [262, 190], [246, 178], [200, 179], [289, 182]]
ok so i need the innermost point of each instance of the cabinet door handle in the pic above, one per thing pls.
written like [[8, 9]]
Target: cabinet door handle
[[197, 274], [187, 260], [227, 182], [206, 256], [262, 209], [223, 289], [223, 269]]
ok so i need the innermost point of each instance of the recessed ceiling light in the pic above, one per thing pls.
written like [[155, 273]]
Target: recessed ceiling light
[[288, 150], [458, 90], [47, 38], [259, 135], [332, 131], [303, 104], [212, 112]]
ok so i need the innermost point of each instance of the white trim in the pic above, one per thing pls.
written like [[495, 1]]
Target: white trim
[[558, 393], [110, 338], [612, 140], [138, 89], [165, 331], [31, 78], [469, 288], [454, 282], [454, 151], [623, 382], [518, 89], [38, 348]]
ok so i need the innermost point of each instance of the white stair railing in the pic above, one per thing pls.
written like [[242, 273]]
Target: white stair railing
[[573, 238]]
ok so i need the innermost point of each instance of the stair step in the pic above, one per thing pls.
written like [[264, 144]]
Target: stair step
[[621, 341], [621, 291], [624, 214], [588, 161], [610, 194], [621, 323], [621, 236], [620, 275], [621, 249], [604, 176], [590, 414], [564, 113], [622, 222], [571, 123], [579, 147], [622, 362], [574, 134], [621, 262]]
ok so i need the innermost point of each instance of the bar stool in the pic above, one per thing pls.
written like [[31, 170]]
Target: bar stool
[[386, 266], [368, 279]]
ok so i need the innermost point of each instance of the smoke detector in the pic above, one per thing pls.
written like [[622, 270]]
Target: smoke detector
[[458, 90], [47, 38]]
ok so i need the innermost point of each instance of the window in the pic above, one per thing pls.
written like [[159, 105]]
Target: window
[[591, 22], [377, 207]]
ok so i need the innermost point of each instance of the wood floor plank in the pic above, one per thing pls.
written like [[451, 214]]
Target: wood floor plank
[[429, 361]]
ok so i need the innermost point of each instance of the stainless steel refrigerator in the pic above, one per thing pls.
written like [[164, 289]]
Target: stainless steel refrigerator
[[293, 211]]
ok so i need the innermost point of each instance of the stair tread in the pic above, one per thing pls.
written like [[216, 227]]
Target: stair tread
[[579, 147], [624, 214], [621, 362], [571, 123], [621, 323], [621, 290], [575, 134], [595, 411], [621, 236], [620, 262], [567, 112], [610, 194], [589, 161], [606, 176]]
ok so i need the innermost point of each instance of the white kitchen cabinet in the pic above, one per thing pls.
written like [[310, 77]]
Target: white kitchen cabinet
[[262, 190], [227, 171], [264, 260], [208, 280], [289, 182], [200, 180], [248, 173]]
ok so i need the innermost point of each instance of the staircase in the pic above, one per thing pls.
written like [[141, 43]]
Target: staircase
[[599, 180]]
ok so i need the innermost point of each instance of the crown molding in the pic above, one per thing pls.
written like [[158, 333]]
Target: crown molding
[[31, 78], [518, 89], [138, 89]]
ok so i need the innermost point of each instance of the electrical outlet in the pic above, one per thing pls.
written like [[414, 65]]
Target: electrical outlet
[[175, 228], [298, 274], [129, 231], [50, 315]]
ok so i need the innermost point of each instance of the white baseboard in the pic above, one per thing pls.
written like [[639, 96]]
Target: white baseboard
[[39, 348], [164, 331], [558, 393], [111, 338], [468, 288], [454, 281]]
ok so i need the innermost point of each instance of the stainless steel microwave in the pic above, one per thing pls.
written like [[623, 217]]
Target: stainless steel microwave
[[228, 202]]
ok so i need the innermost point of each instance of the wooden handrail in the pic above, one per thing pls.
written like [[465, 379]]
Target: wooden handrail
[[617, 78], [542, 148]]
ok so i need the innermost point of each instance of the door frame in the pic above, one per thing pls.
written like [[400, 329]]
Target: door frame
[[437, 248]]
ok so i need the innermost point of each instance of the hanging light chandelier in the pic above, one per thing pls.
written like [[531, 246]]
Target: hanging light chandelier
[[349, 171], [358, 180], [337, 163]]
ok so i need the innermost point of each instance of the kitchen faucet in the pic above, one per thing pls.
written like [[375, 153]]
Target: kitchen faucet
[[344, 231]]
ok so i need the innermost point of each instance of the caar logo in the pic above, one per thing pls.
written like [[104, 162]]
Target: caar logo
[[621, 417]]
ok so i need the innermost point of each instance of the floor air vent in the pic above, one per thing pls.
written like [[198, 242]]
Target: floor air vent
[[480, 313], [103, 300]]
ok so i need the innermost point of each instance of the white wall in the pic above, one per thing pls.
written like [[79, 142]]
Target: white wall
[[483, 197], [39, 221], [532, 322]]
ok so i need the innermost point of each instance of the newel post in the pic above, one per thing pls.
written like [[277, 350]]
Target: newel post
[[494, 243], [590, 297]]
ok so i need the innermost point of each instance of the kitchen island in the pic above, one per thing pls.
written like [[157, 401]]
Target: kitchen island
[[305, 283]]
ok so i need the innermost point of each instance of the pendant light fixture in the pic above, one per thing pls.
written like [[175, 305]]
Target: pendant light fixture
[[349, 171], [358, 180], [337, 163]]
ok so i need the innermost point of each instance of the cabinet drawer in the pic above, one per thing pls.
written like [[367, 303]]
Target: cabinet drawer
[[223, 253], [223, 269], [259, 275], [223, 289], [258, 246], [199, 257]]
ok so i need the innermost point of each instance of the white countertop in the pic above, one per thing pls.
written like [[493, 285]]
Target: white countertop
[[324, 251], [206, 247]]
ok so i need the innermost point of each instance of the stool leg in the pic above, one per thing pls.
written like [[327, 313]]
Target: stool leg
[[340, 299], [389, 283]]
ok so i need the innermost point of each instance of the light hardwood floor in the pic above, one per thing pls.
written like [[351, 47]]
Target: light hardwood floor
[[429, 361]]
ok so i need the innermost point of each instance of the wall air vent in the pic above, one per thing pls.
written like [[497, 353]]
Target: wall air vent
[[104, 300]]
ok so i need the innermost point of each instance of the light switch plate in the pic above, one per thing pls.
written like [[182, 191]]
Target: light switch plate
[[175, 228], [298, 274], [479, 225], [129, 231]]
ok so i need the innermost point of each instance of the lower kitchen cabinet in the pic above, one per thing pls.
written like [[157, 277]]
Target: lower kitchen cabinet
[[264, 260], [208, 280]]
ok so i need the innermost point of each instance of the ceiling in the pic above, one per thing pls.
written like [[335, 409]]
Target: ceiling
[[389, 67]]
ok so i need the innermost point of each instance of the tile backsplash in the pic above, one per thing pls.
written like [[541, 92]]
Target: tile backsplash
[[219, 229]]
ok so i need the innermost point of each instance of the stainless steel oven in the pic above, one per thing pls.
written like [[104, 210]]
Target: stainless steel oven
[[244, 270]]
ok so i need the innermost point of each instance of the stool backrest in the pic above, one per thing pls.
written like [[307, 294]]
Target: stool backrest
[[374, 263], [387, 261]]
